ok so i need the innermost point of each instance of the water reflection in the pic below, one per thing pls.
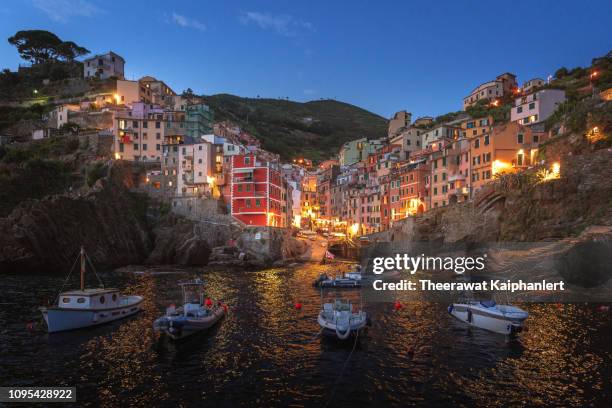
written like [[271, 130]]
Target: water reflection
[[265, 352]]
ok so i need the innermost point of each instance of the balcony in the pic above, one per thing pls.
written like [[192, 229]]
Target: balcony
[[242, 179]]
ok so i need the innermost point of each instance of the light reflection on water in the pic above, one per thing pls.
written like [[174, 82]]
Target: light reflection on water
[[265, 352]]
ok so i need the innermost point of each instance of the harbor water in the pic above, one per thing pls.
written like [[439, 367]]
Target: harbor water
[[266, 352]]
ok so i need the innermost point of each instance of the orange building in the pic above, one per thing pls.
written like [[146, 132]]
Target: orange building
[[509, 147]]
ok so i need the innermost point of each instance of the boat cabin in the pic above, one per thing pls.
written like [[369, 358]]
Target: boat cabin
[[90, 299]]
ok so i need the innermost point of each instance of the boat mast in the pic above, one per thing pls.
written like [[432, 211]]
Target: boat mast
[[82, 268]]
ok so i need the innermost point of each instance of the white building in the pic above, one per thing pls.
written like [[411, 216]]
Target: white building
[[104, 66], [437, 133], [537, 106], [195, 169], [59, 115]]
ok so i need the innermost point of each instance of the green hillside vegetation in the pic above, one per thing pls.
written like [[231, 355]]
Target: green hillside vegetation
[[35, 170], [315, 129]]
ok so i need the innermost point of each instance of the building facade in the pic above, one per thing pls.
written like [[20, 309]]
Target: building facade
[[104, 66]]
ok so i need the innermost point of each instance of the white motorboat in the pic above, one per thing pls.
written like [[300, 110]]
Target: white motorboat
[[81, 308], [194, 316], [351, 279], [338, 319], [503, 319]]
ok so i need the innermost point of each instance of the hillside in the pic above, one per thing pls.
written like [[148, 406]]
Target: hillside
[[315, 129]]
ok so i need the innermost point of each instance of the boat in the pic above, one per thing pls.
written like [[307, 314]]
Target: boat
[[351, 279], [82, 308], [339, 320], [194, 316], [488, 315]]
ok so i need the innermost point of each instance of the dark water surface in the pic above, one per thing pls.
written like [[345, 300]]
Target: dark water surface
[[266, 353]]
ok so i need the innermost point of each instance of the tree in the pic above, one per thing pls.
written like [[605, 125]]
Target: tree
[[561, 72], [68, 51], [36, 46], [40, 46]]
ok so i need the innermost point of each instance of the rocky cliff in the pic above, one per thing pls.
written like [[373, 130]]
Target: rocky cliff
[[44, 235]]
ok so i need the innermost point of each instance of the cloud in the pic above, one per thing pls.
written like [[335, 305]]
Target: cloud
[[283, 24], [62, 10], [187, 22]]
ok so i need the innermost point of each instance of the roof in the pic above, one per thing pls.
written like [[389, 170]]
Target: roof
[[89, 292], [108, 53]]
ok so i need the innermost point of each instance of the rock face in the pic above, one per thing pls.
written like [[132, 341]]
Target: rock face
[[586, 262], [180, 241], [45, 235]]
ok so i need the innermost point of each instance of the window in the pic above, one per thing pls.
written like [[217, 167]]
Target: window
[[486, 140], [66, 300], [81, 300], [247, 160], [102, 299], [519, 138], [135, 146], [157, 125], [248, 203], [145, 124], [519, 109], [114, 297], [536, 138], [134, 124], [157, 147], [257, 202], [240, 188], [519, 159], [532, 105], [477, 143], [248, 187], [144, 146]]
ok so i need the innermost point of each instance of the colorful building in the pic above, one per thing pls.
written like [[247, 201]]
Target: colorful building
[[256, 192], [536, 107], [502, 86]]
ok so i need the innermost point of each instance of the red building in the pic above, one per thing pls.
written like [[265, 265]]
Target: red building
[[257, 195]]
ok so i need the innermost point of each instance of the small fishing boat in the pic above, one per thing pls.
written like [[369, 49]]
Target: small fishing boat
[[338, 319], [488, 315], [350, 279], [81, 308], [194, 316]]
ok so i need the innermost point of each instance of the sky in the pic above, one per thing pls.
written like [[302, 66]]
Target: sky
[[384, 56]]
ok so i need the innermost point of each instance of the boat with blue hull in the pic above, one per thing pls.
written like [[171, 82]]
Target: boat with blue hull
[[194, 316]]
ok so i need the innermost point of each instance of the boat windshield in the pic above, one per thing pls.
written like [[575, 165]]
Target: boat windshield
[[342, 305], [487, 303], [192, 293]]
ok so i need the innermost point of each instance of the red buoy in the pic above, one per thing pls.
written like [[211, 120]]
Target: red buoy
[[397, 305], [208, 302], [298, 306]]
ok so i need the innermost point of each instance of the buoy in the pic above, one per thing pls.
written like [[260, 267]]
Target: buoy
[[298, 306], [397, 305], [208, 303], [225, 308]]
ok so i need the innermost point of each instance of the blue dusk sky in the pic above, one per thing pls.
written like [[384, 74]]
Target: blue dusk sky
[[423, 56]]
